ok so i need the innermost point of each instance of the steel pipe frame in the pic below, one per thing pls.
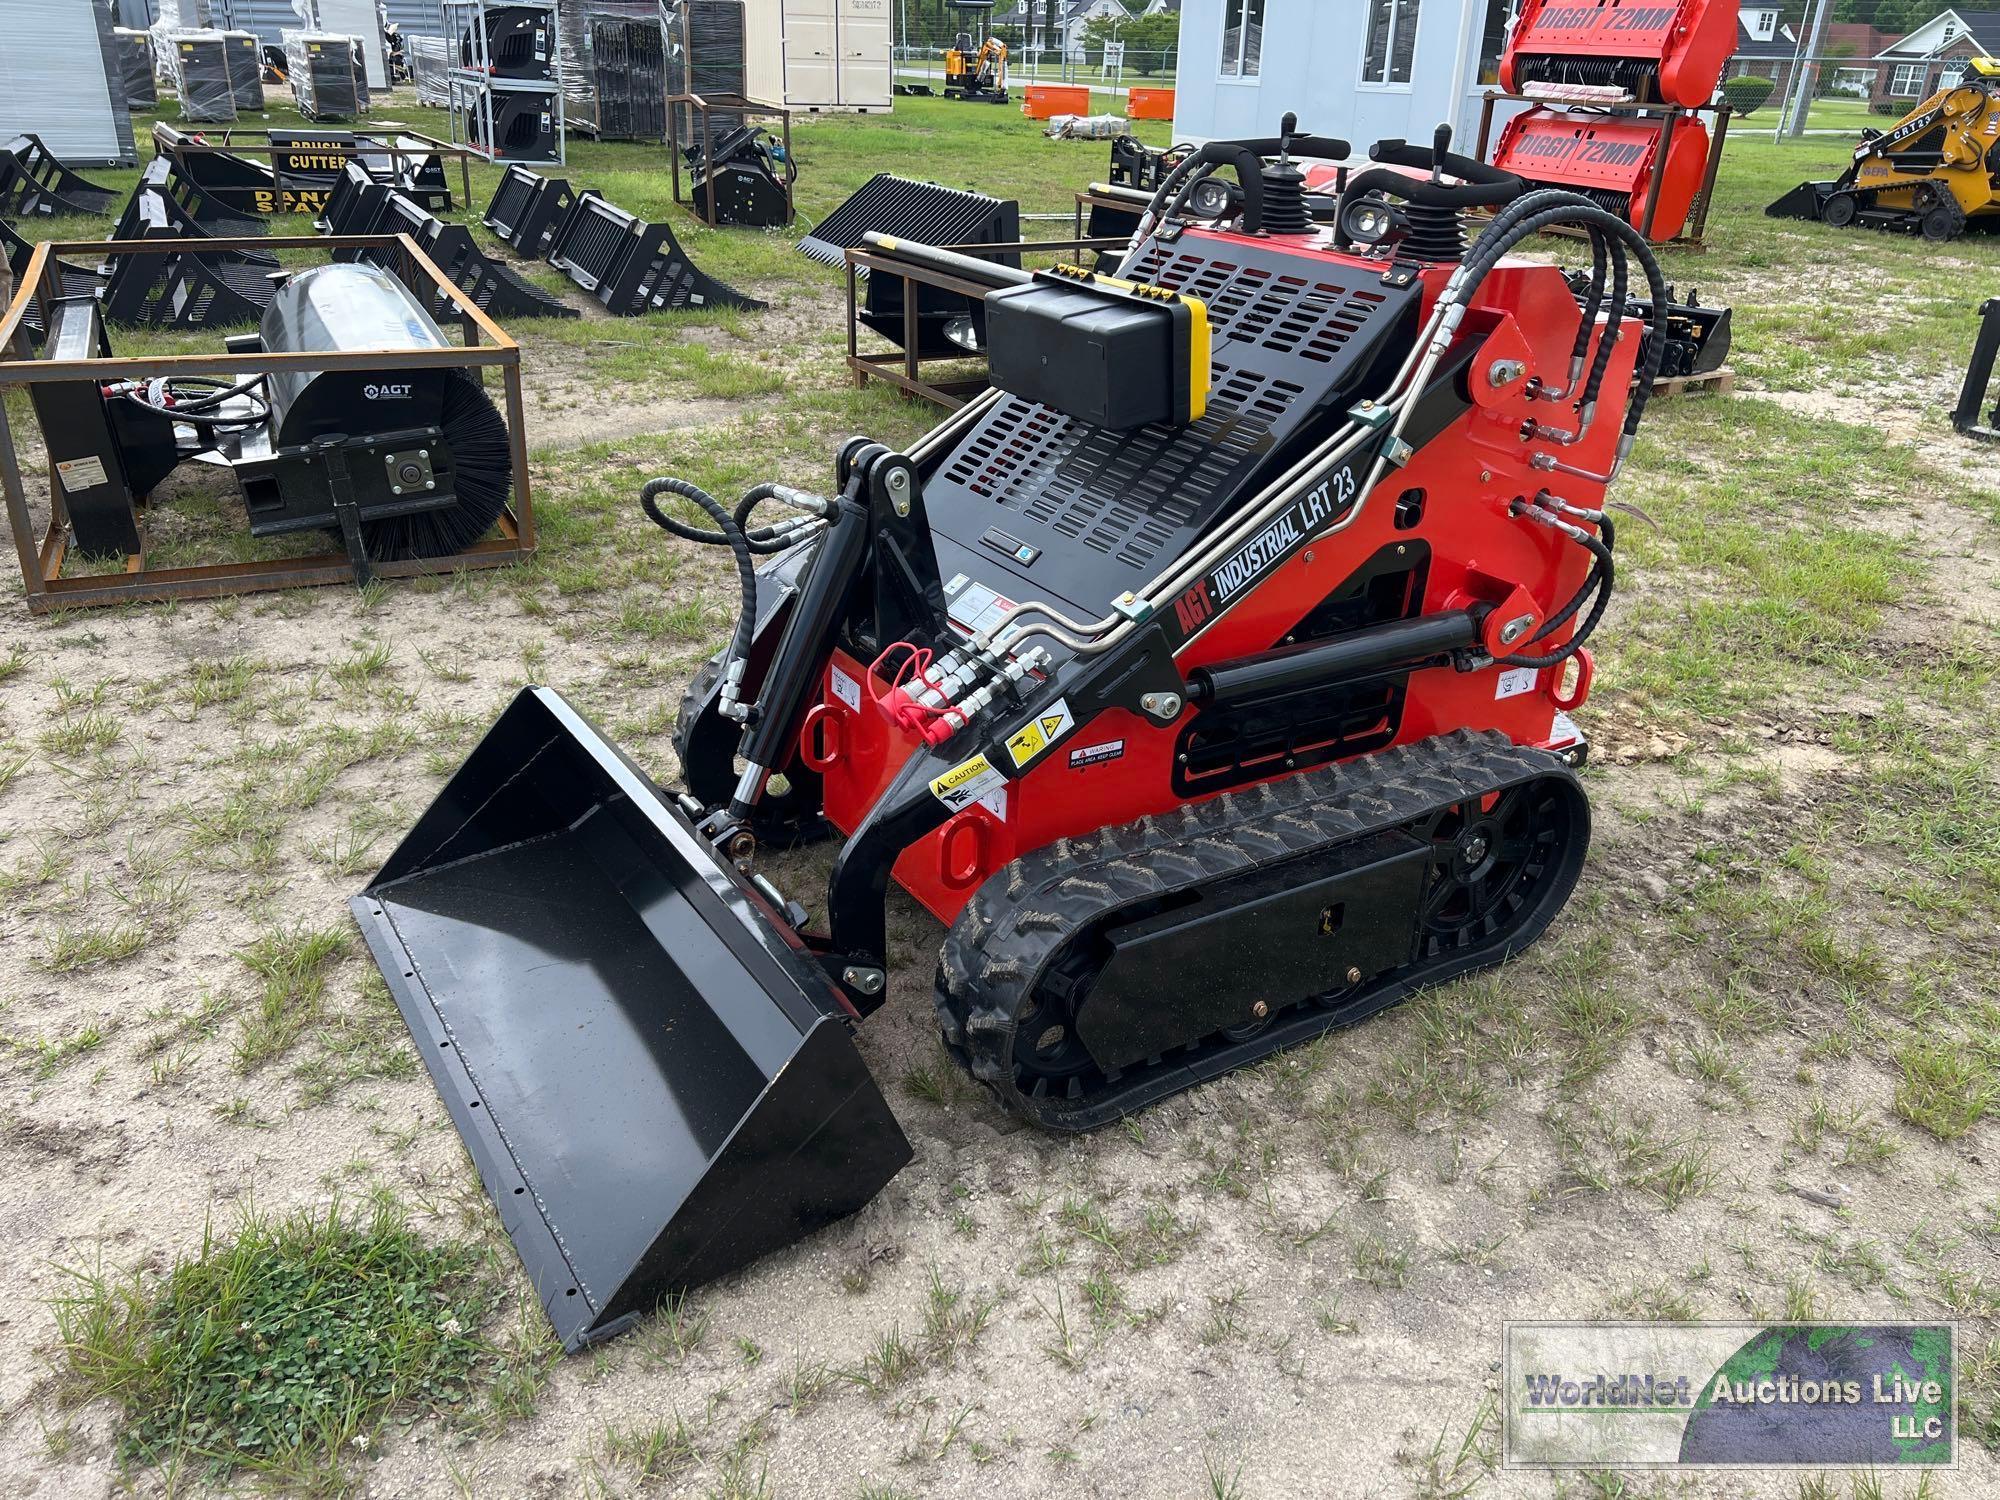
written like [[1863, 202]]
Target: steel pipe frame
[[734, 104], [909, 379], [487, 346], [1694, 235]]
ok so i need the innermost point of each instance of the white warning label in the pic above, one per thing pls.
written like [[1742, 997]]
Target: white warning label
[[845, 688], [81, 473], [973, 606], [1515, 682]]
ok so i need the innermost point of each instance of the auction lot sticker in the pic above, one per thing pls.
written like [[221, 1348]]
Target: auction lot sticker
[[1730, 1395]]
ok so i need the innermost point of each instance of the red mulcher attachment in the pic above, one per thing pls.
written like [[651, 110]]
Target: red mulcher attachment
[[1210, 679], [1650, 51], [1600, 66], [1610, 160]]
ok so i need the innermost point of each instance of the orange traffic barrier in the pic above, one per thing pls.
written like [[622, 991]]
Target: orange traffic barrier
[[1047, 100], [1150, 104]]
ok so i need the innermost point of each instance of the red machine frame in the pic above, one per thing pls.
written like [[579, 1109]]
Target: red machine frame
[[1120, 766]]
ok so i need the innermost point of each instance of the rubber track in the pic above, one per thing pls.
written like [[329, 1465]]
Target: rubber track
[[1020, 919]]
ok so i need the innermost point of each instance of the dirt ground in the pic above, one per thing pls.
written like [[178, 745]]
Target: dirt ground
[[1682, 1104]]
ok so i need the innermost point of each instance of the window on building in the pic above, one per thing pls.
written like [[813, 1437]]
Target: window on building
[[1392, 41], [1765, 26], [1907, 82], [1493, 41], [1952, 76], [1242, 38]]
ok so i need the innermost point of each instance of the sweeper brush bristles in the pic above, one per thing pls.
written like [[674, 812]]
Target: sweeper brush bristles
[[483, 480]]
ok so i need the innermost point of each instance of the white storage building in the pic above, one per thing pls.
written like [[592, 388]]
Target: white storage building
[[820, 56]]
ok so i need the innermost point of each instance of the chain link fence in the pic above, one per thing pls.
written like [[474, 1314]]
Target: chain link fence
[[1845, 92], [1115, 73]]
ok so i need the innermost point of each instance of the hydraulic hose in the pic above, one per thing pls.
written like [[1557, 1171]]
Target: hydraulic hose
[[164, 398], [727, 533], [1603, 574], [1620, 279]]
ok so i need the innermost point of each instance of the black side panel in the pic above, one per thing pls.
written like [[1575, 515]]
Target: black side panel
[[1108, 509]]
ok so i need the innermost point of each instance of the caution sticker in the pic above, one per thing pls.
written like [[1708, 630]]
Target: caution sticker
[[1515, 682], [968, 783], [1040, 732]]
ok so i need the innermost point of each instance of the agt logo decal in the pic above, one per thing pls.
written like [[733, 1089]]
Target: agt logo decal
[[376, 392]]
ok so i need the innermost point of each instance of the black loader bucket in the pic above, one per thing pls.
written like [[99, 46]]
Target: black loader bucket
[[655, 1079], [1806, 201]]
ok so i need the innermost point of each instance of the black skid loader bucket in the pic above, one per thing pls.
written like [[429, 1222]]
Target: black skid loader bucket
[[1806, 201], [654, 1078]]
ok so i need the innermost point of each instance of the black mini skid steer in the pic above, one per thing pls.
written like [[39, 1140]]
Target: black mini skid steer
[[1210, 679]]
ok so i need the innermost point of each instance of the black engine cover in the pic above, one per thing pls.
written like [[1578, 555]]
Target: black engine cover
[[1082, 514]]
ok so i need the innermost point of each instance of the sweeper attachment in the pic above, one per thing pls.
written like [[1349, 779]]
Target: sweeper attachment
[[1936, 172], [403, 464], [1210, 679]]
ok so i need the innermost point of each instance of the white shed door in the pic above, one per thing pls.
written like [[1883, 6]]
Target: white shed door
[[864, 53], [812, 60]]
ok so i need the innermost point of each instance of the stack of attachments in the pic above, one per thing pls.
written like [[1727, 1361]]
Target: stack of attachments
[[947, 322], [1583, 59], [202, 76], [135, 61], [629, 67], [246, 70], [327, 83], [508, 88]]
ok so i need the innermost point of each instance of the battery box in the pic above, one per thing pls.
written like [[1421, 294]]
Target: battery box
[[1115, 354]]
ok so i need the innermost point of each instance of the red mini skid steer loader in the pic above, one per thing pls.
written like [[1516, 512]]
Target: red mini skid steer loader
[[1210, 679]]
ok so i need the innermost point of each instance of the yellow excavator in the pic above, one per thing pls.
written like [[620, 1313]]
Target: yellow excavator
[[975, 69], [1934, 173]]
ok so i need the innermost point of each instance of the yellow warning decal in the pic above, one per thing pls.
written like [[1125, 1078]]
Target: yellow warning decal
[[1040, 732]]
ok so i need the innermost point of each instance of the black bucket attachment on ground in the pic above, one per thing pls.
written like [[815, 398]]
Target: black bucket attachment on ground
[[1806, 201], [34, 183], [920, 211], [362, 206], [654, 1078], [528, 209], [189, 288], [198, 203], [633, 267]]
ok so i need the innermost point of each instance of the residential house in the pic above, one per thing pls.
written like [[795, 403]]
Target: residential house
[[1765, 47], [1030, 19], [1932, 57], [1361, 70]]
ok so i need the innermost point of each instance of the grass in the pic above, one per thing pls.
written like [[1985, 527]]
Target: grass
[[1802, 985], [292, 961], [281, 1349]]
